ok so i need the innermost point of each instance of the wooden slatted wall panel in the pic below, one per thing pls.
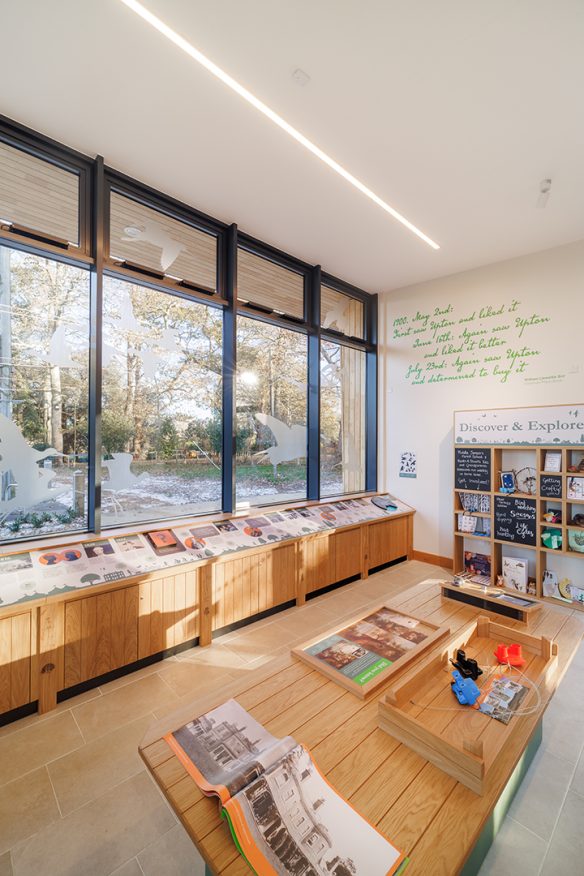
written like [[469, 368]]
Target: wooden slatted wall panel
[[317, 556], [38, 195], [352, 374], [283, 575], [161, 238], [347, 554], [388, 541], [15, 661], [260, 281], [101, 634], [247, 586], [167, 612]]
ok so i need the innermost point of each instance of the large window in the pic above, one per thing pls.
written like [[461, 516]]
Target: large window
[[44, 360], [271, 433], [161, 424], [227, 368], [342, 419]]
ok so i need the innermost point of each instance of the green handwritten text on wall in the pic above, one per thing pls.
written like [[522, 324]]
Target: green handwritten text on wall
[[494, 341]]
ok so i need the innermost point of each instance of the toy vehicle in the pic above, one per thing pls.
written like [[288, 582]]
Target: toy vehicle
[[464, 689]]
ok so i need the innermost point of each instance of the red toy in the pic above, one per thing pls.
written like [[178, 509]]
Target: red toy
[[511, 654]]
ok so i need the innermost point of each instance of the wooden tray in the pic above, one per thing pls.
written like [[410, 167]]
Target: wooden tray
[[352, 657], [492, 599], [422, 712]]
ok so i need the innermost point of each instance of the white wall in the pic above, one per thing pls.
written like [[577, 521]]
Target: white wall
[[528, 312]]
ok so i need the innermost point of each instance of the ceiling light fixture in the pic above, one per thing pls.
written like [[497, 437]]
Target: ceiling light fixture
[[205, 62]]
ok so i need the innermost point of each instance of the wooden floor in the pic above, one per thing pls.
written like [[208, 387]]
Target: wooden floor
[[431, 817]]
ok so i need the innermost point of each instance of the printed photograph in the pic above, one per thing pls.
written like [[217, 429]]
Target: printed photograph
[[501, 698], [382, 633], [226, 526], [164, 542], [15, 563], [195, 544], [99, 548], [340, 653], [70, 555], [228, 747], [252, 531], [129, 543], [51, 558], [304, 828], [256, 522], [163, 538], [204, 531]]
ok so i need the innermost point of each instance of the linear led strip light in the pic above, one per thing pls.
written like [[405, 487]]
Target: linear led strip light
[[228, 80]]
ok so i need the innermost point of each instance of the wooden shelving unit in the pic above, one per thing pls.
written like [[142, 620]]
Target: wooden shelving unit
[[501, 459]]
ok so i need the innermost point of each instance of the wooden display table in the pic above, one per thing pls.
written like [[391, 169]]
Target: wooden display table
[[434, 819], [493, 599]]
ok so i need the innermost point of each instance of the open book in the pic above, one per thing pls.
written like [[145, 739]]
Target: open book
[[284, 816]]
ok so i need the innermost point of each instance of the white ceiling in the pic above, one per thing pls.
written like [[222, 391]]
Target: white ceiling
[[451, 111]]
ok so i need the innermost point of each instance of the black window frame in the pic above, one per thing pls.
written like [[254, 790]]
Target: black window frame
[[96, 181]]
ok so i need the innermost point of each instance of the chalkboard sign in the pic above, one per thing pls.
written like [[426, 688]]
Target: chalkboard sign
[[515, 519], [550, 486], [472, 468]]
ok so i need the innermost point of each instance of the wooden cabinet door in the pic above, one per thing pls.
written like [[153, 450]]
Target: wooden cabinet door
[[16, 648], [388, 541]]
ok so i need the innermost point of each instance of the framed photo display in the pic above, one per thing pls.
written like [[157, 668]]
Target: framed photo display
[[365, 651]]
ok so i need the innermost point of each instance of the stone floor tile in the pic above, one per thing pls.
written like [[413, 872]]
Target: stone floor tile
[[27, 805], [38, 744], [516, 851], [540, 797], [92, 770], [121, 706], [99, 837], [173, 853]]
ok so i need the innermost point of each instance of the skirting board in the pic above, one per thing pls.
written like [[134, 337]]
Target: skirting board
[[434, 559]]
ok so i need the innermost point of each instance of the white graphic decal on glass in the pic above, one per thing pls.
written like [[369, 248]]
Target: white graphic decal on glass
[[151, 232], [27, 484], [120, 475], [337, 316], [290, 441]]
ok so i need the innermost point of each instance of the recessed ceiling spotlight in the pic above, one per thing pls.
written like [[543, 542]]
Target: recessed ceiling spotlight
[[545, 188], [300, 77], [234, 85]]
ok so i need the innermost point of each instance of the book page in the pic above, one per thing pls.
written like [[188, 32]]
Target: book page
[[225, 749], [291, 821]]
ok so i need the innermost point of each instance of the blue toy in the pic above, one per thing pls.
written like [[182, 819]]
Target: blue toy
[[465, 690]]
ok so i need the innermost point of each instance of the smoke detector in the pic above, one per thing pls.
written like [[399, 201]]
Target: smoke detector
[[545, 188], [300, 77]]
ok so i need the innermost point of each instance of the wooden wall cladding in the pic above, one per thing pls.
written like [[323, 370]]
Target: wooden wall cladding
[[61, 642], [388, 541], [247, 586], [16, 649]]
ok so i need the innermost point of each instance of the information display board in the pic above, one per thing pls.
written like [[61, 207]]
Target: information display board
[[516, 519], [472, 468]]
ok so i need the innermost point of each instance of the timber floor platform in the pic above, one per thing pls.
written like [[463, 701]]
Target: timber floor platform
[[426, 813]]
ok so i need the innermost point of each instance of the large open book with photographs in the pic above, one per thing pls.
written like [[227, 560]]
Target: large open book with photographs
[[364, 651], [283, 815]]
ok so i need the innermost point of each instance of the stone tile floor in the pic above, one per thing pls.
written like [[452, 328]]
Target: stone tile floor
[[76, 800]]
